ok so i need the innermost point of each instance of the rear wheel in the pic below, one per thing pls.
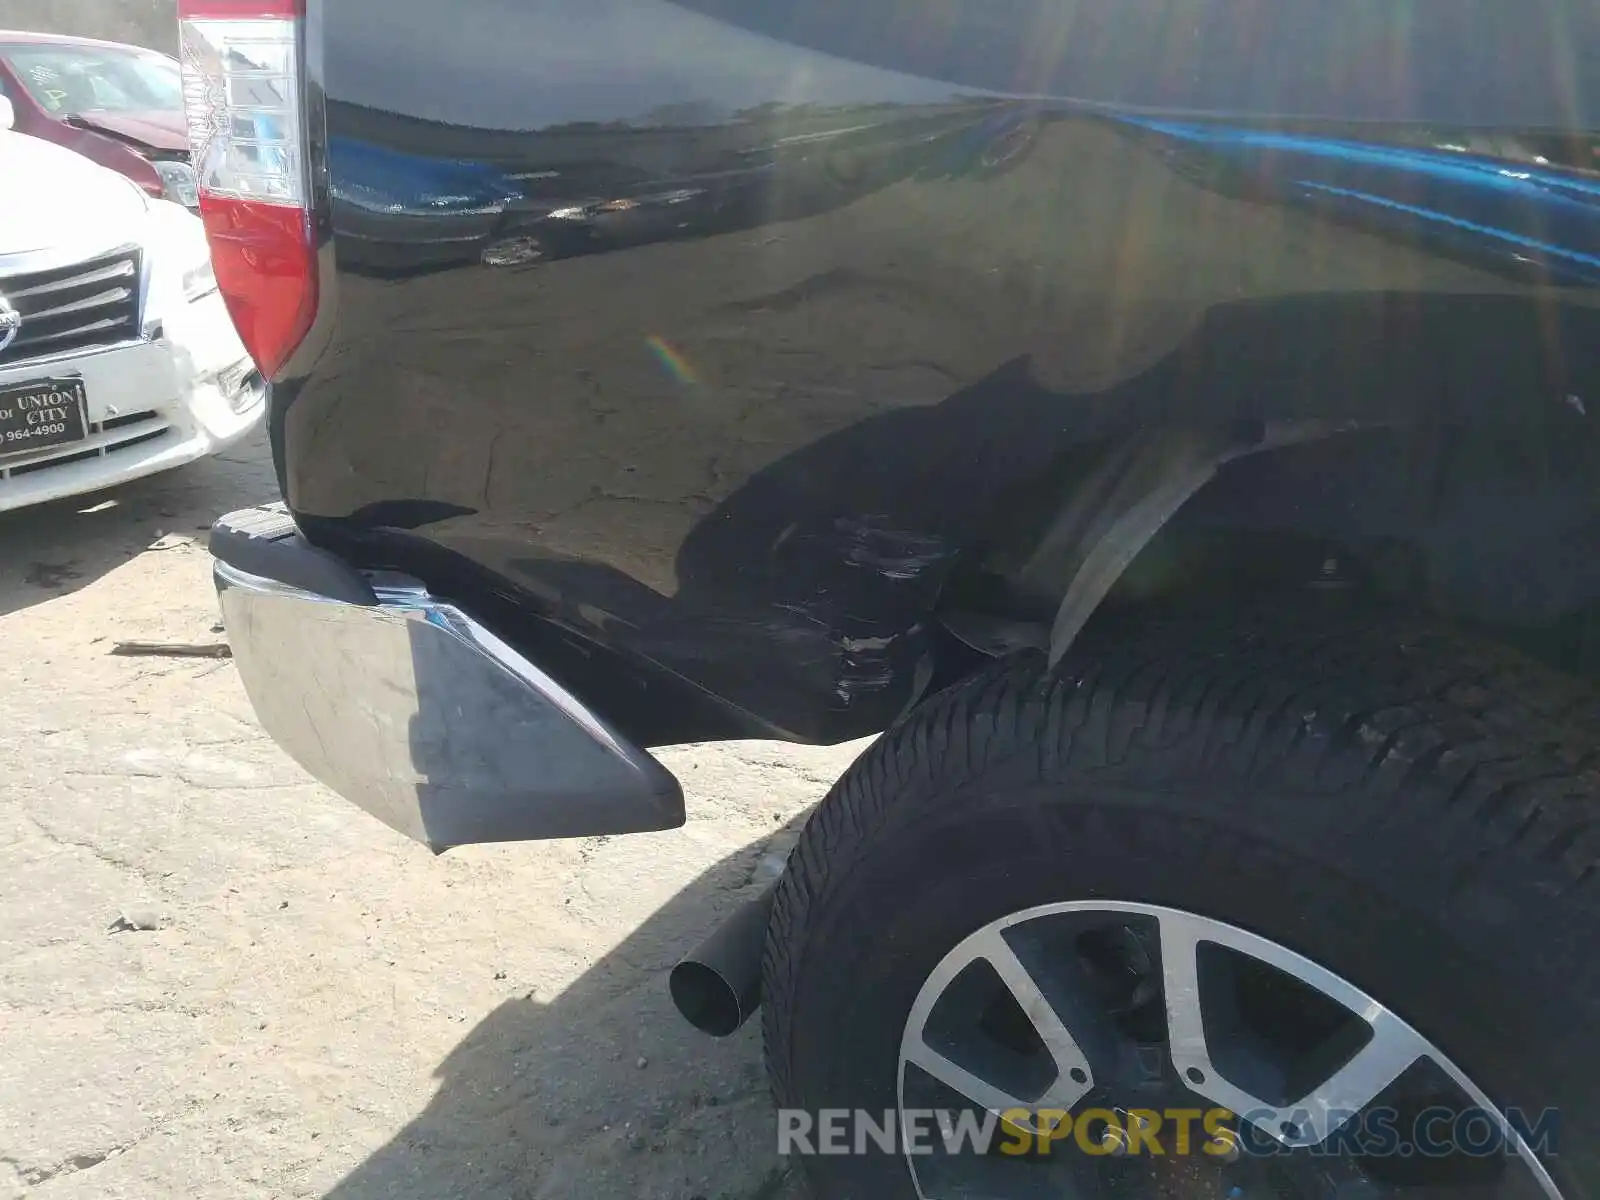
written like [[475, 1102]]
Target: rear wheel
[[1332, 891]]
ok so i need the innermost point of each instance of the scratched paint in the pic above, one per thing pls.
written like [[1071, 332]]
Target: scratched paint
[[892, 553]]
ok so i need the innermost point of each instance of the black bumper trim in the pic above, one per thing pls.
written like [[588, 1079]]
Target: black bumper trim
[[264, 541]]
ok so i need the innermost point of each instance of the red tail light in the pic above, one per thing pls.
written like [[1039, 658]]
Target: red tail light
[[242, 98]]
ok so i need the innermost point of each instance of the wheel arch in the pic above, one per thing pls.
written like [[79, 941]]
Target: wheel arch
[[1480, 523]]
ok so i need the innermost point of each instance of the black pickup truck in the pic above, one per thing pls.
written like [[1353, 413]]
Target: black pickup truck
[[1171, 424]]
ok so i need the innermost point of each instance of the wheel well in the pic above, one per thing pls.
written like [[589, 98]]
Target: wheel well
[[1493, 527]]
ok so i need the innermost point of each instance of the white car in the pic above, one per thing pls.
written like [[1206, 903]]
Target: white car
[[117, 355]]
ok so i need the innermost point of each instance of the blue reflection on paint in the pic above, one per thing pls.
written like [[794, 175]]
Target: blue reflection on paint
[[388, 181], [1520, 214]]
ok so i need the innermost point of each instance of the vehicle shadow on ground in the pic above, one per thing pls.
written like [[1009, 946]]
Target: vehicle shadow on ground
[[602, 1092], [54, 549]]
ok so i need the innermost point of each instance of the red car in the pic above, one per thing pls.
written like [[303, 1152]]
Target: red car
[[120, 105]]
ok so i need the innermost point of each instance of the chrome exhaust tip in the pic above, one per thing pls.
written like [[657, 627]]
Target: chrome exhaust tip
[[717, 987]]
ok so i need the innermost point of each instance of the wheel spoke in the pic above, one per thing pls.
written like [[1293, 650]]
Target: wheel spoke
[[1310, 1120], [1073, 1076], [1359, 1082], [959, 1079]]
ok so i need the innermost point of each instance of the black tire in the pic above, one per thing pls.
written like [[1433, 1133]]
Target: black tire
[[1414, 811]]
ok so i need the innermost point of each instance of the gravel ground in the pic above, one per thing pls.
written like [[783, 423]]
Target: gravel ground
[[218, 980]]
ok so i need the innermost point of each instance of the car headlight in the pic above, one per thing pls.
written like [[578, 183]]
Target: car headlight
[[178, 182]]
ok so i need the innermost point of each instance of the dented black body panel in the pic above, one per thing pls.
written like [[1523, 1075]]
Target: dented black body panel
[[696, 345]]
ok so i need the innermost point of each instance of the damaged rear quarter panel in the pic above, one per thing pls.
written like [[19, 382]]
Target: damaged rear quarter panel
[[761, 325]]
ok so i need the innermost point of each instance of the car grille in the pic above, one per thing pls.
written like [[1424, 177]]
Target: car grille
[[78, 307]]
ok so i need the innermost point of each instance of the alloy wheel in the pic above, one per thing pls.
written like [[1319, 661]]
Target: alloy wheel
[[1124, 1049]]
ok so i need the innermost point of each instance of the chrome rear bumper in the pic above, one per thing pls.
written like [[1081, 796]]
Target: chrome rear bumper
[[414, 711]]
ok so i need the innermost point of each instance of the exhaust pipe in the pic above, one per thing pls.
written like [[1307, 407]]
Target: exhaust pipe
[[718, 987]]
